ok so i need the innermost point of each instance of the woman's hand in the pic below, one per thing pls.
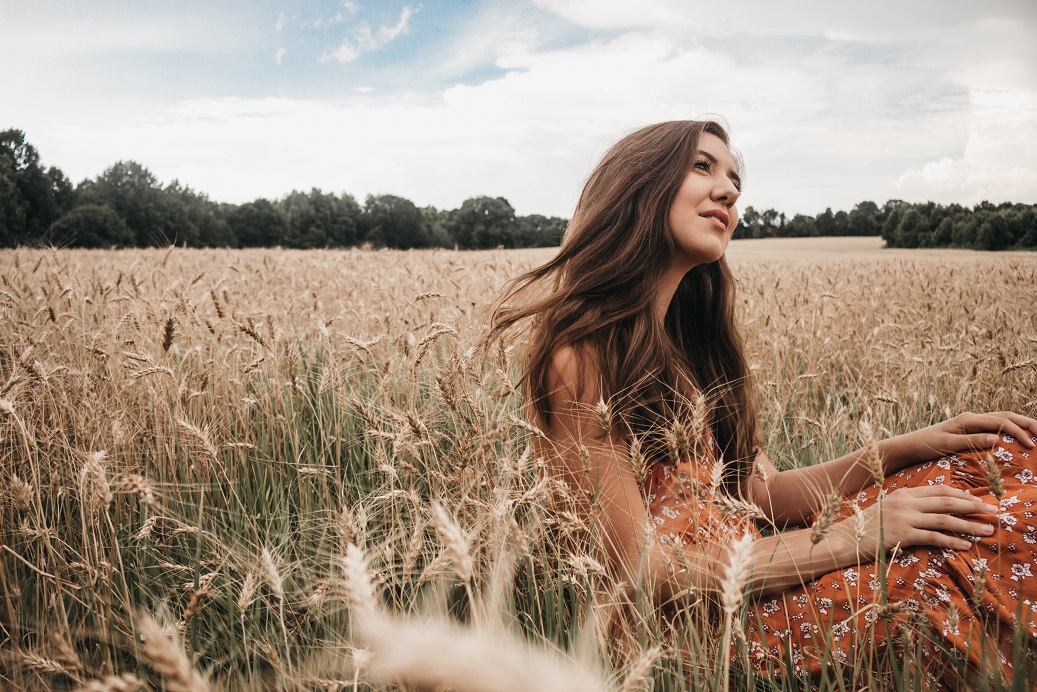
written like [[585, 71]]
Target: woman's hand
[[926, 515], [963, 433]]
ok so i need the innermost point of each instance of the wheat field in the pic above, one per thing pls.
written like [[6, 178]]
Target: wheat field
[[295, 470]]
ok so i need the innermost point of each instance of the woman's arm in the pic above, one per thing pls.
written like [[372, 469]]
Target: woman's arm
[[790, 497], [596, 468]]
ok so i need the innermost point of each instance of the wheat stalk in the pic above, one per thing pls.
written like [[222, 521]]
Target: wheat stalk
[[825, 517], [603, 412], [455, 540], [992, 470], [21, 494], [94, 491], [358, 581], [437, 655], [732, 591], [678, 440], [638, 460], [271, 574], [639, 676], [138, 486], [168, 659], [197, 602], [733, 507], [168, 334], [872, 456], [249, 587], [127, 682]]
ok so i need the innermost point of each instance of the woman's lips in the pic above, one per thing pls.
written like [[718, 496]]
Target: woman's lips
[[719, 218]]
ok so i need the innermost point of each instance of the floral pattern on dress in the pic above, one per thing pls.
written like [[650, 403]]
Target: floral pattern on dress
[[972, 601]]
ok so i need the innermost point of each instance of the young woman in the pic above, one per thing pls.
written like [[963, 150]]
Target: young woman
[[636, 373]]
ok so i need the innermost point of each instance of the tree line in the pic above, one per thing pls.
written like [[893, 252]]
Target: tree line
[[986, 226], [126, 206]]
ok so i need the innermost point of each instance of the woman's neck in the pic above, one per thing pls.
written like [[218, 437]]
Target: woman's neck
[[667, 288]]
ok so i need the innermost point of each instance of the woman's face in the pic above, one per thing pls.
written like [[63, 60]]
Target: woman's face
[[703, 215]]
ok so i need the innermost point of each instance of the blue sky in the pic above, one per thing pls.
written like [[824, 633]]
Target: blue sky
[[830, 104]]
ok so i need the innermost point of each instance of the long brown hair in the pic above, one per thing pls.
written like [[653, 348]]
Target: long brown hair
[[596, 296]]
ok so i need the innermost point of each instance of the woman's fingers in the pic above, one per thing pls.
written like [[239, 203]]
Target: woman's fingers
[[953, 505], [942, 540], [1028, 425], [938, 490], [932, 515], [948, 523], [1006, 423]]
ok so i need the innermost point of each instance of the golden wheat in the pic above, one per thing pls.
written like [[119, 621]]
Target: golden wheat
[[338, 396]]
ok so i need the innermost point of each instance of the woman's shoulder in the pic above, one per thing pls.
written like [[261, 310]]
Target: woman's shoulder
[[573, 374]]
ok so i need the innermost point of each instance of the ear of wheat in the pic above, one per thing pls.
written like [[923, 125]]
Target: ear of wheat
[[993, 473], [872, 456], [825, 517], [456, 542], [167, 657], [95, 491], [358, 581], [436, 655]]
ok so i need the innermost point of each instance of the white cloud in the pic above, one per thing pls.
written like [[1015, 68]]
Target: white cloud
[[282, 20], [835, 110], [878, 20], [55, 31], [365, 39], [279, 55], [344, 52], [999, 161]]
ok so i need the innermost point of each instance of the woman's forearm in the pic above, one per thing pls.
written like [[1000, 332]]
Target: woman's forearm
[[790, 497], [778, 562]]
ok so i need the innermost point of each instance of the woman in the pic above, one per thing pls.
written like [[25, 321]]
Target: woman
[[636, 374]]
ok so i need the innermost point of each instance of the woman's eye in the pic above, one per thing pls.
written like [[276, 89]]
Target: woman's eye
[[702, 165]]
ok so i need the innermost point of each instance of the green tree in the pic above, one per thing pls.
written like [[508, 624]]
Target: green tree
[[31, 198], [13, 209], [318, 219], [944, 232], [1028, 227], [865, 219], [391, 221], [193, 219], [91, 226], [257, 224], [536, 230], [910, 228], [825, 223], [484, 222], [747, 224], [436, 221], [892, 210], [994, 231], [136, 196], [801, 226]]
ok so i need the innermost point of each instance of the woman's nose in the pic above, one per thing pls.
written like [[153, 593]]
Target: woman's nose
[[725, 191]]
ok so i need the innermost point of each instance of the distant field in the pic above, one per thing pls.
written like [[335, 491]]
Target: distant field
[[251, 447], [822, 248]]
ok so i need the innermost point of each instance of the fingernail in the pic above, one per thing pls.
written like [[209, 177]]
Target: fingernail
[[991, 509], [991, 440], [964, 545], [986, 530]]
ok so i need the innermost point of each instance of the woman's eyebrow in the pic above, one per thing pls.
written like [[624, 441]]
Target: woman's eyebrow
[[733, 175]]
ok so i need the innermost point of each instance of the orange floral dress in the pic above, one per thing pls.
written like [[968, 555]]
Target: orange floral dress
[[972, 605]]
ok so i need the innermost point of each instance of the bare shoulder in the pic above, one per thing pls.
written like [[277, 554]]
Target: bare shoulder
[[572, 376]]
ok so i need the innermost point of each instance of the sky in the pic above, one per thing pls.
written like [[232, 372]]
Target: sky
[[828, 103]]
